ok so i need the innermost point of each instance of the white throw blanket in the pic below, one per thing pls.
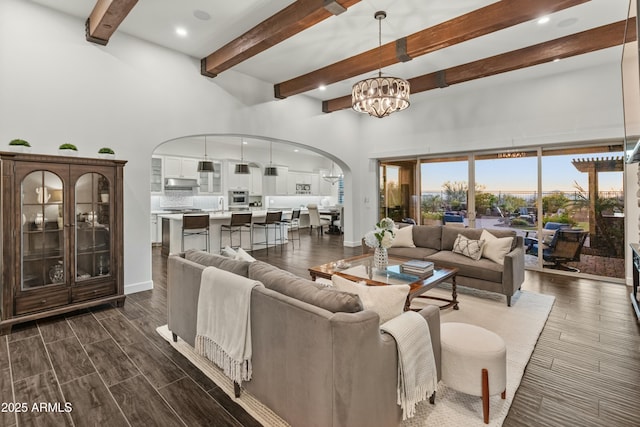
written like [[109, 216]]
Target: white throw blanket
[[417, 375], [223, 329]]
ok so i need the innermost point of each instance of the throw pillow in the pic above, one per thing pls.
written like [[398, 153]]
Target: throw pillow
[[495, 248], [242, 255], [388, 301], [228, 252], [467, 247], [404, 237]]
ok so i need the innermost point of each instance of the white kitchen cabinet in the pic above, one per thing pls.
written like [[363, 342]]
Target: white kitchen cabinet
[[156, 175], [315, 184], [325, 186], [156, 229], [237, 181], [211, 182], [277, 185], [256, 182], [180, 167]]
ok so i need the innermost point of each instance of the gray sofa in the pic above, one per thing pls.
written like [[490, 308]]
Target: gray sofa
[[435, 243], [318, 358]]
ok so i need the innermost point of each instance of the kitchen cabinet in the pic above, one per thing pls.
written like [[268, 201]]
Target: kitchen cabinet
[[211, 182], [61, 235], [180, 167], [156, 175], [326, 189], [237, 181], [256, 182], [302, 183], [156, 230], [277, 185]]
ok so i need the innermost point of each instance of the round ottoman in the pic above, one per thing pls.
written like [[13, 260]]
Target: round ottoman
[[474, 361]]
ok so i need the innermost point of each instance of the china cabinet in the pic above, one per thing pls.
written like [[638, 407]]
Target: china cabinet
[[61, 235]]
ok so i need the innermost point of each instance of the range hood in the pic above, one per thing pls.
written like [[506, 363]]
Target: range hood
[[180, 184]]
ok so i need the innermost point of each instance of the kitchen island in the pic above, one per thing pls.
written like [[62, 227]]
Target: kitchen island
[[172, 233]]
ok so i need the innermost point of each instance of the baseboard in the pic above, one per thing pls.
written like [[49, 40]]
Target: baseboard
[[138, 287], [352, 244]]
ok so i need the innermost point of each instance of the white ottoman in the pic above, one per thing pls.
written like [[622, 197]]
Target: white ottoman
[[474, 361]]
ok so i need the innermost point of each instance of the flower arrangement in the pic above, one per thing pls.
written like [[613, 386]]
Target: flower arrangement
[[382, 236]]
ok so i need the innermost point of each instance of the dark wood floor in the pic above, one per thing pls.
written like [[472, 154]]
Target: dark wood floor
[[114, 369]]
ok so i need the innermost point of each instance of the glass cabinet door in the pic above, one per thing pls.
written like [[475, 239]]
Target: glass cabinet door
[[42, 230], [92, 226]]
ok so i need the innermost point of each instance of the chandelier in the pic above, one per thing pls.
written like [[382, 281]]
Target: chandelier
[[380, 96], [332, 178], [270, 170]]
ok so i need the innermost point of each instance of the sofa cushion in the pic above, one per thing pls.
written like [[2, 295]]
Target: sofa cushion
[[404, 237], [483, 269], [467, 247], [242, 255], [495, 248], [449, 235], [303, 289], [387, 301], [413, 253], [212, 260], [428, 236]]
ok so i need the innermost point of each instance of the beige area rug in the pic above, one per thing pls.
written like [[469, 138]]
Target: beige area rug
[[519, 325]]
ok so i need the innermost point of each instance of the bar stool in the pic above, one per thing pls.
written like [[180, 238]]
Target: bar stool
[[239, 221], [293, 224], [272, 220], [193, 225]]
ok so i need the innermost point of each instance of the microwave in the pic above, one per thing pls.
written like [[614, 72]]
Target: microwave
[[238, 197]]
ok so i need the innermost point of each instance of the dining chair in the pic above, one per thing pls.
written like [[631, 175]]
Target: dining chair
[[315, 220]]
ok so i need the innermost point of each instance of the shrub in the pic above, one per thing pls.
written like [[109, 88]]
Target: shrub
[[432, 215], [562, 218], [68, 147], [517, 222], [106, 150], [20, 142]]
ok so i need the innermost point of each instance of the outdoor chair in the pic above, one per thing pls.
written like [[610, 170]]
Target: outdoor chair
[[548, 231], [565, 246]]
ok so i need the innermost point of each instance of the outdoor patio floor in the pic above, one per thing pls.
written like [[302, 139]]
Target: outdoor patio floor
[[591, 264]]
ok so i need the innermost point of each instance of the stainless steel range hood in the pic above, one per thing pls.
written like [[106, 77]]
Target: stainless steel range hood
[[180, 184]]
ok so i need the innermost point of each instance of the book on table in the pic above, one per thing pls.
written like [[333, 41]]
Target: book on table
[[417, 267]]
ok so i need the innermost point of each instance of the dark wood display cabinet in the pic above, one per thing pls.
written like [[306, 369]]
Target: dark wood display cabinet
[[61, 232]]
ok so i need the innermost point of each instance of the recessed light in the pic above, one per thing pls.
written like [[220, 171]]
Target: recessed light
[[295, 150], [322, 87], [201, 15], [182, 32], [556, 60], [245, 142], [543, 20]]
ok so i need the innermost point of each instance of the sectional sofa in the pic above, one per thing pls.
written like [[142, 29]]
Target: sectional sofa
[[435, 243], [319, 359]]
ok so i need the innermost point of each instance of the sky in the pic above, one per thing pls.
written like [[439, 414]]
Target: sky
[[519, 174]]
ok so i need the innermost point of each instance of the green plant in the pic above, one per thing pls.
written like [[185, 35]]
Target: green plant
[[517, 222], [20, 142], [68, 147], [432, 215], [106, 150]]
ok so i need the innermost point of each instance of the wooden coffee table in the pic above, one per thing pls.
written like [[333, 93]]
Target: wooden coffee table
[[418, 285]]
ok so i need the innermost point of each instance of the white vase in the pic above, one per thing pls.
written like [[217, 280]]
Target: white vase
[[19, 148], [380, 259], [67, 152]]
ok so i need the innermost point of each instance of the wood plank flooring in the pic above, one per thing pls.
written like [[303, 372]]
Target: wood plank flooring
[[114, 369]]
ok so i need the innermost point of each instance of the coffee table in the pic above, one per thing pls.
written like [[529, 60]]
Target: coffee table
[[360, 268]]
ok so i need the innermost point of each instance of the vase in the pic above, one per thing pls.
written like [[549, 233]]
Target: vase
[[380, 259]]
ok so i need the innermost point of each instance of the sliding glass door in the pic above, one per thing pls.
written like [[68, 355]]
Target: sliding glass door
[[398, 190]]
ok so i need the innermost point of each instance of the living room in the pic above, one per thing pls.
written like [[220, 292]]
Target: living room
[[134, 95]]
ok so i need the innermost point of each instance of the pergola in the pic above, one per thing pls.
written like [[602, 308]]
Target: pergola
[[593, 167]]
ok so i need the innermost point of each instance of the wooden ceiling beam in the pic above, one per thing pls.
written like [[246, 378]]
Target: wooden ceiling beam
[[495, 17], [290, 21], [105, 18], [564, 47]]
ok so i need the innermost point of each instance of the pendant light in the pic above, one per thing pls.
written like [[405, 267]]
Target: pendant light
[[205, 165], [380, 96], [242, 168], [271, 170], [333, 178]]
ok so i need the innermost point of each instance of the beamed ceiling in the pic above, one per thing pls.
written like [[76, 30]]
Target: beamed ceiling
[[301, 45]]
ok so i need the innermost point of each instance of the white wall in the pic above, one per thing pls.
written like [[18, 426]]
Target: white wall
[[132, 96]]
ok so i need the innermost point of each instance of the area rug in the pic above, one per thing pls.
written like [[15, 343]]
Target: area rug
[[519, 325]]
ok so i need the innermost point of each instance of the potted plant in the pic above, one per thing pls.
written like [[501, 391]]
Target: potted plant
[[68, 150], [19, 145], [106, 153]]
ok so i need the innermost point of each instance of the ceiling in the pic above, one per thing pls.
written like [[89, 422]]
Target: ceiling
[[350, 33]]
